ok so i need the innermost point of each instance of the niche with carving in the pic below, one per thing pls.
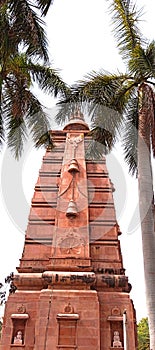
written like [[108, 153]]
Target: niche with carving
[[116, 334], [67, 328], [18, 333]]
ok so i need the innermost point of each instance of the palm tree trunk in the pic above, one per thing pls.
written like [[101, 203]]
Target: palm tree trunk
[[146, 207]]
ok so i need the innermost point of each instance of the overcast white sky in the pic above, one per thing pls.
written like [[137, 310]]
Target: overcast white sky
[[80, 40]]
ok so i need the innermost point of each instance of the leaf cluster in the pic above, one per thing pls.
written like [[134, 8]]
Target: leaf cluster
[[143, 334], [44, 5], [125, 19], [21, 27], [114, 100], [7, 287], [24, 60]]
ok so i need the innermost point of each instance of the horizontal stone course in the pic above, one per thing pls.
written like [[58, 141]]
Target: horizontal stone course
[[75, 291]]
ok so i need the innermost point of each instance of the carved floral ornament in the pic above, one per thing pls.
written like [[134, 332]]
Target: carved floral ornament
[[116, 311], [21, 309], [71, 242], [75, 140]]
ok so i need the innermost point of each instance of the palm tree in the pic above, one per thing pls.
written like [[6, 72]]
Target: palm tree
[[125, 103], [22, 28], [24, 60]]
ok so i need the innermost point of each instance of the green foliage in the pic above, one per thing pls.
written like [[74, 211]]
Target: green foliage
[[114, 100], [44, 5], [100, 88], [20, 110], [125, 19], [143, 335], [18, 18], [7, 287]]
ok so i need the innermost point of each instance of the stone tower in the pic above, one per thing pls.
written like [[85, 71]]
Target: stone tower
[[72, 292]]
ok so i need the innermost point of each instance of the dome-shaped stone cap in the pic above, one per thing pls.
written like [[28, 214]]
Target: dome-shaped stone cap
[[76, 122]]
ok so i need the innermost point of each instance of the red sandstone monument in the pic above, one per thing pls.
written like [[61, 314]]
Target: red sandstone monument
[[72, 292]]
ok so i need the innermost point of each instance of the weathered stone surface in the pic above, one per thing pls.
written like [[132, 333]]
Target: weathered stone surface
[[72, 292]]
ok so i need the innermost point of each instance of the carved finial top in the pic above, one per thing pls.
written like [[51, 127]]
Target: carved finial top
[[76, 121], [77, 114]]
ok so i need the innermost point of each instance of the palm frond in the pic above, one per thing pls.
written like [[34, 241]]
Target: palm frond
[[13, 110], [45, 141], [1, 115], [8, 42], [103, 137], [106, 118], [22, 117], [125, 18], [141, 64], [150, 57], [103, 96], [100, 88], [123, 94], [105, 126], [65, 109], [14, 103], [48, 79], [35, 118], [21, 108], [130, 134], [1, 129], [44, 5], [16, 136], [94, 150], [28, 28]]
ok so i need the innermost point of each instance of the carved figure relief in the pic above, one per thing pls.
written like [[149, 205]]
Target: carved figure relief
[[68, 309], [18, 339], [116, 341]]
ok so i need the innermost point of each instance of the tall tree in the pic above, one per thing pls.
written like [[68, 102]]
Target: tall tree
[[24, 60], [143, 334], [125, 103]]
